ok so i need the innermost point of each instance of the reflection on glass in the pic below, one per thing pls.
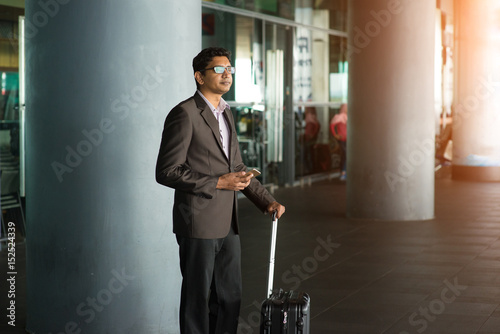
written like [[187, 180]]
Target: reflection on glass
[[9, 125], [281, 71], [249, 125], [274, 105], [338, 86], [9, 148], [9, 120], [9, 98], [287, 9]]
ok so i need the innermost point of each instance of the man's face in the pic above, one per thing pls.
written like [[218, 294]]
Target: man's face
[[212, 82]]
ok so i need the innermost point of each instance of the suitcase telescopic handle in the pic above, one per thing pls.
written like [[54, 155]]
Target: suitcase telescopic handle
[[272, 255]]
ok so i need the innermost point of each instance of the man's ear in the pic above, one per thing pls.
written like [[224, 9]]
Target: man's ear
[[199, 78]]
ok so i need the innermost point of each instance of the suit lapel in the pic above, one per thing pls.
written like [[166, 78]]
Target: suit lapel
[[210, 119], [230, 124]]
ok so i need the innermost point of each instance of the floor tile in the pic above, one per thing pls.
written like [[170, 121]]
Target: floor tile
[[437, 276]]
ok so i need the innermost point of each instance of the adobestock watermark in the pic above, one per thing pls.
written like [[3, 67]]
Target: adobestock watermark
[[310, 264], [253, 320], [484, 90], [120, 107], [88, 309], [361, 38], [11, 273], [408, 165], [295, 275], [198, 203], [48, 9], [435, 307]]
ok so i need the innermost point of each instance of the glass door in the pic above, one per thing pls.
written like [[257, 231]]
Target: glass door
[[12, 128], [280, 124], [260, 90], [260, 97]]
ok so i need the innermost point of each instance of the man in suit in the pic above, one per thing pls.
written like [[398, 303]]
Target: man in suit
[[200, 158]]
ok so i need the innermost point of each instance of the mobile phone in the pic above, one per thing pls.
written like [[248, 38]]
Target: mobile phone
[[254, 172]]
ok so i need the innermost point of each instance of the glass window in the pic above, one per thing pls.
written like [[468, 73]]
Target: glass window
[[280, 8], [288, 9], [9, 123], [282, 71], [320, 87], [9, 107], [9, 96]]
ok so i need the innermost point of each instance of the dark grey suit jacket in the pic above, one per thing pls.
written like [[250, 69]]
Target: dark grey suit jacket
[[190, 160]]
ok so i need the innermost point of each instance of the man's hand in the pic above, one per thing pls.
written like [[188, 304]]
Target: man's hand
[[234, 181], [275, 206]]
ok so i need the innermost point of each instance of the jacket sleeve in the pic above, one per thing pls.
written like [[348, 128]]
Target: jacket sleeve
[[172, 167], [258, 195]]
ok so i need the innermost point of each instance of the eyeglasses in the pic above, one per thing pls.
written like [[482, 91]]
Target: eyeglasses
[[221, 69]]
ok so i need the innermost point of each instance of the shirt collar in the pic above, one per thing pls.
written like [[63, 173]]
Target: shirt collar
[[222, 104]]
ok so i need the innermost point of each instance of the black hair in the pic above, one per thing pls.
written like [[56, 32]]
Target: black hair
[[201, 61]]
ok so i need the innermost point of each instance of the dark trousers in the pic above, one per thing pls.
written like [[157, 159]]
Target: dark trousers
[[211, 285]]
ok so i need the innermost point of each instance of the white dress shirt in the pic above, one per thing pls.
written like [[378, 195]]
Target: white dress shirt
[[223, 126]]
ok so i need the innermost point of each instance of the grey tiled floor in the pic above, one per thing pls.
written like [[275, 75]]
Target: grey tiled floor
[[437, 276]]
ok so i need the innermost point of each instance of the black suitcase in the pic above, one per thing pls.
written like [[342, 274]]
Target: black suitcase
[[283, 312]]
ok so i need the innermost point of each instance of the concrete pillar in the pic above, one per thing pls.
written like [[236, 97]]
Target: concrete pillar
[[476, 119], [390, 145], [101, 77]]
